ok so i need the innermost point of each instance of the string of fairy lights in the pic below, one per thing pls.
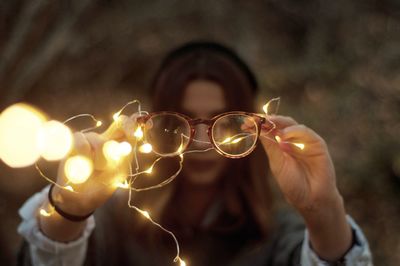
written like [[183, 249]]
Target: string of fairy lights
[[26, 136]]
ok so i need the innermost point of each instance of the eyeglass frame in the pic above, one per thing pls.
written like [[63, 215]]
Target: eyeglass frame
[[210, 123]]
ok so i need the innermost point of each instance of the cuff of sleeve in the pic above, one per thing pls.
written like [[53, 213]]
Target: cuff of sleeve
[[359, 253], [42, 248]]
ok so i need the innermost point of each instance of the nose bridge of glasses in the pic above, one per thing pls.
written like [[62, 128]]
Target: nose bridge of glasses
[[199, 121]]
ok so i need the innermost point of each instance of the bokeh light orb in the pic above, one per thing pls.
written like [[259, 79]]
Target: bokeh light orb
[[78, 169], [19, 128], [55, 140]]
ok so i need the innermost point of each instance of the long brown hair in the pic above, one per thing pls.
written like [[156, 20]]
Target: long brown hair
[[211, 61]]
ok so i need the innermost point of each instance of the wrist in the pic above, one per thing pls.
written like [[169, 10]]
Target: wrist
[[69, 202]]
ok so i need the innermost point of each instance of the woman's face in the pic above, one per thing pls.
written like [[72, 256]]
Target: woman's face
[[203, 99]]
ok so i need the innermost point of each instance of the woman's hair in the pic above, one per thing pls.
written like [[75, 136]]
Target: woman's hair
[[246, 192]]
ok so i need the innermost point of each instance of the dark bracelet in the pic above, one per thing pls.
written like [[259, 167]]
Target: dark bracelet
[[69, 217]]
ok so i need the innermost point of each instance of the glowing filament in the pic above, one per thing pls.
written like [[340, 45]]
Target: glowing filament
[[237, 140], [124, 185], [146, 148], [138, 133], [78, 169], [44, 213], [116, 116], [227, 140], [301, 146], [150, 170], [181, 262], [265, 108], [69, 188], [145, 214]]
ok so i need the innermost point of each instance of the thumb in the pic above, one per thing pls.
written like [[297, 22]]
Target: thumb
[[274, 152]]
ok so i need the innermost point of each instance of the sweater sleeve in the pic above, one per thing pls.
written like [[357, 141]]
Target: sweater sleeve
[[43, 250], [358, 255]]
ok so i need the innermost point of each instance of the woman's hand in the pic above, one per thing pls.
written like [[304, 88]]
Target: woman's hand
[[306, 176], [91, 194]]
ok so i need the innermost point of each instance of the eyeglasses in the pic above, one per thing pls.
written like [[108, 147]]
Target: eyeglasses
[[232, 134]]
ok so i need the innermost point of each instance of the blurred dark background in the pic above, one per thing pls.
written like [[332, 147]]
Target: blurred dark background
[[335, 64]]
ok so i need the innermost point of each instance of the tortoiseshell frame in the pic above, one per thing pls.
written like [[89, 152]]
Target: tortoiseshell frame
[[210, 123]]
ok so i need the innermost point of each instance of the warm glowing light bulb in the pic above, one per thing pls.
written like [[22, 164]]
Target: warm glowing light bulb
[[145, 214], [44, 213], [125, 148], [228, 139], [99, 123], [69, 188], [111, 150], [116, 116], [78, 169], [237, 140], [265, 108], [182, 262], [299, 145], [138, 133], [150, 170], [114, 151], [146, 148], [124, 185], [55, 140], [19, 128]]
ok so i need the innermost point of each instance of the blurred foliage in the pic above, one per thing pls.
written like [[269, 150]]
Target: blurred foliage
[[335, 64]]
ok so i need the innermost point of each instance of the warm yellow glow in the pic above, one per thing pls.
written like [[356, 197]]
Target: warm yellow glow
[[19, 128], [299, 145], [182, 262], [145, 214], [138, 133], [69, 188], [237, 140], [125, 148], [228, 139], [150, 170], [124, 185], [114, 151], [265, 108], [116, 116], [54, 140], [44, 213], [146, 148], [99, 123], [78, 169], [111, 150]]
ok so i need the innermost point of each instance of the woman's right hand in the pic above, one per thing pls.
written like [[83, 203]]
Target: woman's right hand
[[91, 194]]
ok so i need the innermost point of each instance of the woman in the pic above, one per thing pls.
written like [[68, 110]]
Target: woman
[[219, 208]]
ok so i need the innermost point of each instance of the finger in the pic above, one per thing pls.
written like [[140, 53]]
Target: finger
[[115, 131], [282, 121], [300, 132], [96, 142], [81, 145]]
